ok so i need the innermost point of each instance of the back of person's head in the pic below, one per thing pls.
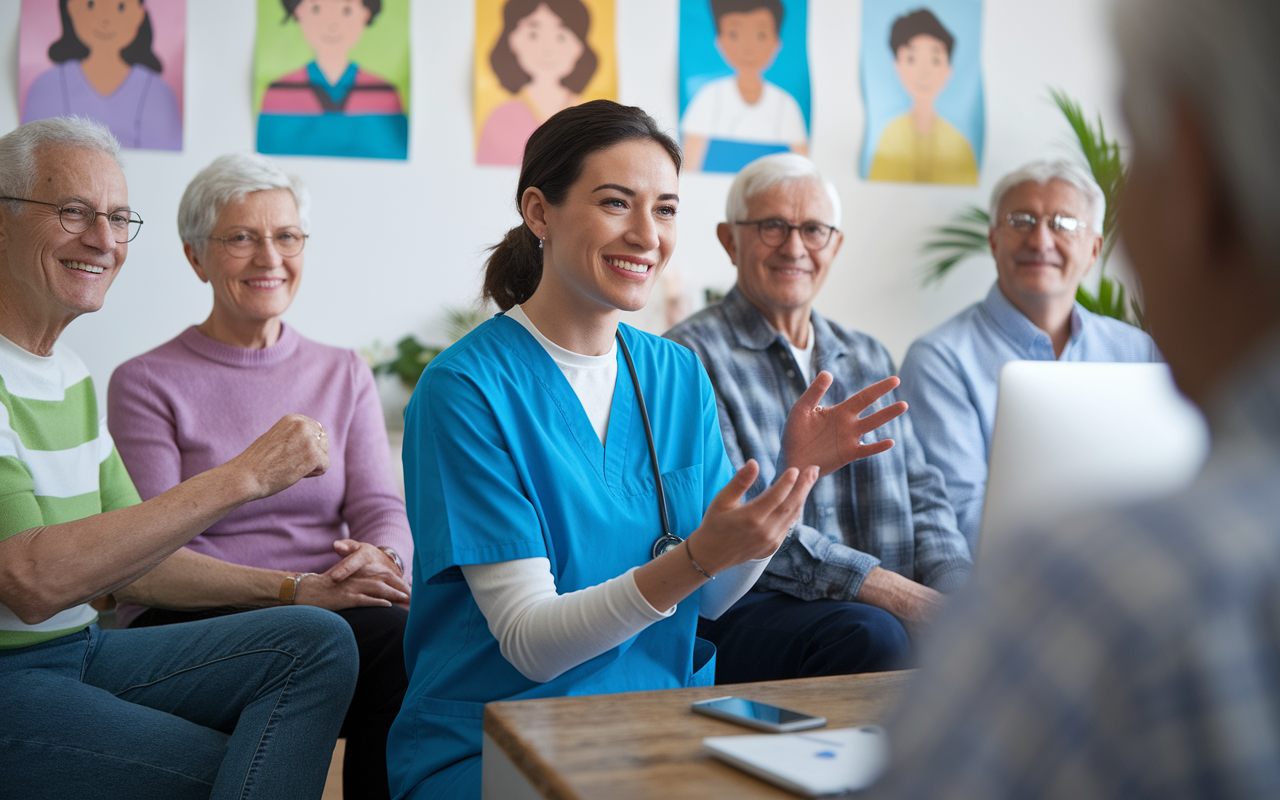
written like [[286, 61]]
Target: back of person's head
[[767, 172], [921, 22], [1042, 172], [1220, 59], [20, 147], [721, 7], [228, 179], [553, 161]]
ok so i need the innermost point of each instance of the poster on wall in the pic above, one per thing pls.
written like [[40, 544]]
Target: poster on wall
[[922, 80], [331, 78], [744, 81], [532, 59], [120, 63]]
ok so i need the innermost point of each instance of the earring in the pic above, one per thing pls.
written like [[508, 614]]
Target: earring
[[539, 244]]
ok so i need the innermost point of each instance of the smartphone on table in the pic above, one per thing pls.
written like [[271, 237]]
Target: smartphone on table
[[761, 716]]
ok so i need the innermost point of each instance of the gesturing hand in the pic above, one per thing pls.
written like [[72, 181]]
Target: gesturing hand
[[294, 448], [831, 437], [733, 531]]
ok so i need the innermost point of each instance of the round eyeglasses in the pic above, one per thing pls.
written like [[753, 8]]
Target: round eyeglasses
[[78, 218], [1024, 222], [288, 242], [774, 231]]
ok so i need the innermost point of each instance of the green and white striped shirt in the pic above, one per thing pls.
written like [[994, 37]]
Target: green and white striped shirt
[[57, 463]]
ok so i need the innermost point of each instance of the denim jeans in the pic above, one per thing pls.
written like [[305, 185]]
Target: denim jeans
[[246, 706]]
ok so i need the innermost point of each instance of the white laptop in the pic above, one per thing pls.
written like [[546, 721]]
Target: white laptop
[[1072, 437], [818, 763]]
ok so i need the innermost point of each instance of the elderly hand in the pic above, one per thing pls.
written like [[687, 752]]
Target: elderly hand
[[831, 437], [733, 532], [365, 576], [294, 448], [914, 604]]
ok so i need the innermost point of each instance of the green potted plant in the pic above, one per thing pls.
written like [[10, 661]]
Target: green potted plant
[[965, 236]]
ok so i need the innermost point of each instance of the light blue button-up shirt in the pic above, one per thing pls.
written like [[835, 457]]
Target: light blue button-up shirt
[[950, 377]]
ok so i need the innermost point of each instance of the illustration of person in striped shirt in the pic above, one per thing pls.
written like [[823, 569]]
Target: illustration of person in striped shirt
[[331, 106]]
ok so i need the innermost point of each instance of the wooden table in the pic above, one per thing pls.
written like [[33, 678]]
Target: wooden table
[[649, 744]]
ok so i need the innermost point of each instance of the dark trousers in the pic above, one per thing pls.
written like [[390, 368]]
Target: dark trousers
[[769, 636], [380, 687]]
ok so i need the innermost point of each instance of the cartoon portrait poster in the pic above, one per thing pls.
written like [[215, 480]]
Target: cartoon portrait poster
[[532, 59], [922, 80], [120, 63], [744, 81], [331, 78]]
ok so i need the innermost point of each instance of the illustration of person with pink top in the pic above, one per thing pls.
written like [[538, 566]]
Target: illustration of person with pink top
[[106, 70], [332, 107], [542, 57]]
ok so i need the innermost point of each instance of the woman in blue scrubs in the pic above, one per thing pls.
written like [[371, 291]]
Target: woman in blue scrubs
[[529, 475]]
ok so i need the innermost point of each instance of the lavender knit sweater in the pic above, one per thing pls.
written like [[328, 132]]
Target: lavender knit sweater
[[194, 403]]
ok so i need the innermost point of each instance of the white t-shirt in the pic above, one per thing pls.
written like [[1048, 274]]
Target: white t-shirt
[[718, 111]]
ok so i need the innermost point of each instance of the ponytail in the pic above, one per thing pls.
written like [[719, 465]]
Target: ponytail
[[513, 269]]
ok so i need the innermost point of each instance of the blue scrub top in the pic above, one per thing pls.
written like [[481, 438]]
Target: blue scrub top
[[501, 462]]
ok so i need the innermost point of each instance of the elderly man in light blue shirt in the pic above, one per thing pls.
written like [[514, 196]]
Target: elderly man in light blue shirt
[[1046, 234]]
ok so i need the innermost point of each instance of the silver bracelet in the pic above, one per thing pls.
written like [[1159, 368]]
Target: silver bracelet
[[695, 564]]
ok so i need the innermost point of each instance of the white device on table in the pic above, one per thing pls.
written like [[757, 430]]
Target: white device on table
[[761, 716], [1074, 436], [810, 764]]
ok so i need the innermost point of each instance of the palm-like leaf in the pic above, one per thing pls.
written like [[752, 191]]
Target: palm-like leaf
[[1105, 162], [963, 238]]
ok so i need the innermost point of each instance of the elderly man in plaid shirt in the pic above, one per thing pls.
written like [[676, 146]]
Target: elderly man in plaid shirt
[[877, 545], [1136, 654]]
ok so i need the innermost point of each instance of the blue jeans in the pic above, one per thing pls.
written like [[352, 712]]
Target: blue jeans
[[246, 706], [771, 636]]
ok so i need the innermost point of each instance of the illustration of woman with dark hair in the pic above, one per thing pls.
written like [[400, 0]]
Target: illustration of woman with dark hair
[[105, 69], [333, 107], [542, 57], [920, 146]]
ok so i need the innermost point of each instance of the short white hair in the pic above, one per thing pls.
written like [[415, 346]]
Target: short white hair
[[1042, 172], [768, 171], [228, 179], [20, 147], [1220, 57]]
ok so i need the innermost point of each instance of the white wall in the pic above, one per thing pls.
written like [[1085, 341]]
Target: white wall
[[395, 243]]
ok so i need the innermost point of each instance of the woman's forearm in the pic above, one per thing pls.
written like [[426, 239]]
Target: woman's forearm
[[188, 580]]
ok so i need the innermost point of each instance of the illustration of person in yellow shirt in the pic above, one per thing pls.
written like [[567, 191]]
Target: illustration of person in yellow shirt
[[921, 146]]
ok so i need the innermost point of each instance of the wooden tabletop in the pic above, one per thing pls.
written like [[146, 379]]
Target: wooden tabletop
[[649, 744]]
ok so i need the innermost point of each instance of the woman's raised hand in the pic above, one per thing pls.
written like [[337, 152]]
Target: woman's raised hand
[[733, 532], [294, 448], [831, 437]]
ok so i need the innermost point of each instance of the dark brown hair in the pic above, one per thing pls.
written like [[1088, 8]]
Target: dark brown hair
[[553, 162], [576, 18], [291, 8], [921, 22], [70, 48], [721, 7]]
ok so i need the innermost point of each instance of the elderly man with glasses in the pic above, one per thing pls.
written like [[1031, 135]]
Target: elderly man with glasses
[[877, 544], [240, 707], [1046, 234]]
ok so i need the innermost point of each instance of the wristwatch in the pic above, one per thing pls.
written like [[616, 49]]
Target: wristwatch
[[394, 556]]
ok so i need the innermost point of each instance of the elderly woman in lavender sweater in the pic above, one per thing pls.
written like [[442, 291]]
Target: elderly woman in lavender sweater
[[340, 541]]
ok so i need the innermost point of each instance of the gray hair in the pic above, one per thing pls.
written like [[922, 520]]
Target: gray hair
[[768, 171], [228, 179], [1042, 172], [1220, 57], [20, 147]]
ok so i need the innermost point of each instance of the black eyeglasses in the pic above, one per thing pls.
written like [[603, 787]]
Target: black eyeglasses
[[774, 231], [1024, 222], [288, 242], [78, 218]]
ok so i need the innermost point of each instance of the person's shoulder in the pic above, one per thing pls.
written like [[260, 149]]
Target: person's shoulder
[[658, 347], [701, 329], [953, 332], [1129, 342], [171, 351]]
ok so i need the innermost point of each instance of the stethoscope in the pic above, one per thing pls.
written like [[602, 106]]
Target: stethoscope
[[667, 540]]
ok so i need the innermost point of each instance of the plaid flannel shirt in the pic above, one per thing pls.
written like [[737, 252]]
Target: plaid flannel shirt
[[889, 510]]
